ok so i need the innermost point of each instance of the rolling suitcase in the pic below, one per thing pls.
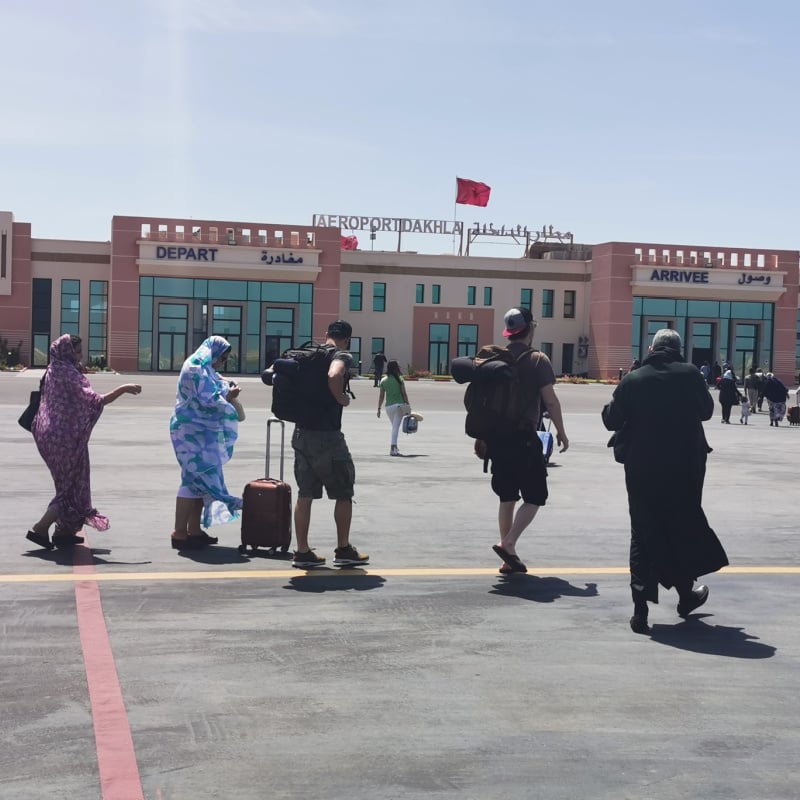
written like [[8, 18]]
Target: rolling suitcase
[[267, 507], [794, 415]]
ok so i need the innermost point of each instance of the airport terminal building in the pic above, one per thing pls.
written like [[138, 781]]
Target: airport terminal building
[[144, 300]]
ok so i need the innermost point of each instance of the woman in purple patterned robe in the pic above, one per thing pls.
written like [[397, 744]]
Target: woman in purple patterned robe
[[61, 429]]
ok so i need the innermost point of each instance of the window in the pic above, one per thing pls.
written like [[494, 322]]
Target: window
[[438, 348], [548, 298], [467, 340], [355, 351], [40, 320], [436, 294], [378, 345], [70, 306], [567, 355], [379, 297], [470, 295], [98, 323], [487, 295], [547, 349], [356, 291], [526, 299], [420, 292], [569, 304]]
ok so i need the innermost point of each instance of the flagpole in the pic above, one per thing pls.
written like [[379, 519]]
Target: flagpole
[[455, 211]]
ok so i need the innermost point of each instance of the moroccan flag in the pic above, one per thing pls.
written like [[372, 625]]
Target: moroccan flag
[[349, 243], [472, 193]]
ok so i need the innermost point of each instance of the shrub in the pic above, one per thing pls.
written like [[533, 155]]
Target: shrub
[[9, 356]]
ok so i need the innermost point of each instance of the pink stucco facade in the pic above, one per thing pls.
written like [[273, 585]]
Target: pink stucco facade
[[591, 304], [622, 271]]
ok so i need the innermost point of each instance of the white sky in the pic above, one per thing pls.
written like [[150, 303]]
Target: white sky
[[636, 120]]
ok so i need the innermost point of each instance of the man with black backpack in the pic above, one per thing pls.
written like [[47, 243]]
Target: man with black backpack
[[321, 456], [518, 465]]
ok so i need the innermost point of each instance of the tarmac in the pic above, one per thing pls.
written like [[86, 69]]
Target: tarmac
[[130, 670]]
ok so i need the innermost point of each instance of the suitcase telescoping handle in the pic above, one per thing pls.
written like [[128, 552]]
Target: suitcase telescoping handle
[[283, 434]]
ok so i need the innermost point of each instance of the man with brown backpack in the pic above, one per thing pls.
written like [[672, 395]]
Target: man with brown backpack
[[504, 399]]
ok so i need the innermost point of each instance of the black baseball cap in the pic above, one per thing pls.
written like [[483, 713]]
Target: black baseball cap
[[340, 329]]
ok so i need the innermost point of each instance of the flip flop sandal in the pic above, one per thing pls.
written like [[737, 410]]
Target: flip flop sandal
[[513, 562]]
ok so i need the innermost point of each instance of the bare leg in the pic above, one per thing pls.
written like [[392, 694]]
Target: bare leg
[[43, 525], [302, 520], [512, 525], [505, 516], [193, 525], [343, 515], [184, 507]]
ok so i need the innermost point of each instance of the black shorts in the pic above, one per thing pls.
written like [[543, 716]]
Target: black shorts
[[518, 469]]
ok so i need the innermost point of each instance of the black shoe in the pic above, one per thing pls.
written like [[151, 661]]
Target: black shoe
[[696, 599], [639, 623], [206, 538], [63, 540], [42, 539], [189, 543]]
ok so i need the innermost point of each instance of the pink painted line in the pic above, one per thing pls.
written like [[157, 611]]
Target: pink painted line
[[116, 757]]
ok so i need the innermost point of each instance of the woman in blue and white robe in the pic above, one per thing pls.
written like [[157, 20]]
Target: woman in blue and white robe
[[203, 429]]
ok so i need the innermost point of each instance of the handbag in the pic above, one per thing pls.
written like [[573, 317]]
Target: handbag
[[28, 415]]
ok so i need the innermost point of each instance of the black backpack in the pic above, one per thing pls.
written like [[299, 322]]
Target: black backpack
[[299, 380], [496, 403]]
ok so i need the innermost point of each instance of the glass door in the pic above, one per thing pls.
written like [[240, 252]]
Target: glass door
[[439, 348], [701, 343], [226, 321], [173, 324]]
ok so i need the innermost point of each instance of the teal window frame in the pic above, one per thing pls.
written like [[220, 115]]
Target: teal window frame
[[570, 301], [548, 303], [356, 295], [379, 296]]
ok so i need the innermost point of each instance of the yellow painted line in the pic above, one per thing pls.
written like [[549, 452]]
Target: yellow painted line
[[216, 575]]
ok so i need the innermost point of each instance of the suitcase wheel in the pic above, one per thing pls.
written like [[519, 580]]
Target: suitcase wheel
[[243, 549], [285, 548]]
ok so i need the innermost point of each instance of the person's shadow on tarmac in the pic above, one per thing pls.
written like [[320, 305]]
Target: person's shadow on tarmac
[[540, 590], [65, 557], [696, 635], [215, 554], [333, 580]]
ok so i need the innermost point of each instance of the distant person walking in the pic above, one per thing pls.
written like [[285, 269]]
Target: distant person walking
[[657, 413], [393, 391], [751, 384], [777, 394], [728, 395], [379, 362], [67, 415]]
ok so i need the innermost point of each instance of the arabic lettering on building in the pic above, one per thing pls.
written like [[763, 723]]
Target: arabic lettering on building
[[409, 225], [280, 258], [749, 278], [547, 232], [696, 276]]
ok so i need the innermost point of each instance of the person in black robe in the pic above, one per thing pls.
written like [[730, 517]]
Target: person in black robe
[[657, 413]]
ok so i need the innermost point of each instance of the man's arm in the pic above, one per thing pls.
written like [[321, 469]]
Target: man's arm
[[336, 381], [553, 407]]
